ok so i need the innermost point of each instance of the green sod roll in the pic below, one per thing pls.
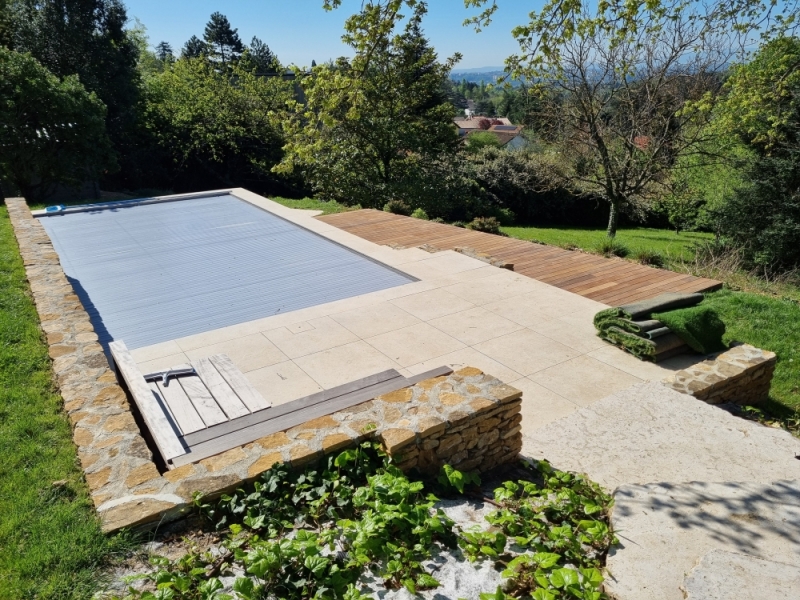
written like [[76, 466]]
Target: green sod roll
[[643, 348], [699, 326]]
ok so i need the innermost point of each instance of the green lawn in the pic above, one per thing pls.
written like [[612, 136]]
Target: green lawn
[[327, 208], [51, 541], [772, 324], [668, 243]]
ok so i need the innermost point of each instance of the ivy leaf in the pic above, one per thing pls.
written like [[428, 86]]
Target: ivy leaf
[[316, 564], [244, 586], [425, 581]]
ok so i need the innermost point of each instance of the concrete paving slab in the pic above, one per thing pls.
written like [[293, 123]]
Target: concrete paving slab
[[475, 325], [664, 529], [414, 344], [584, 379], [650, 433], [724, 575]]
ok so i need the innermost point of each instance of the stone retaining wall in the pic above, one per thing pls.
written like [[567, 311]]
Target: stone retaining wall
[[467, 419], [741, 375]]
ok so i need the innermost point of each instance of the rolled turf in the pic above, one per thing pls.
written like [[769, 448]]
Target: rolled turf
[[699, 326]]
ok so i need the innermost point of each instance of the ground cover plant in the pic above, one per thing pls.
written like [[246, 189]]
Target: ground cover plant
[[313, 533], [51, 539]]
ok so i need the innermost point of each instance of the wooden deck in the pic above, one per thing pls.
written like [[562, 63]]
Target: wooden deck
[[607, 280]]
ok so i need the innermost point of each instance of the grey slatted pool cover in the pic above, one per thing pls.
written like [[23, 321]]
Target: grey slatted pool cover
[[151, 273]]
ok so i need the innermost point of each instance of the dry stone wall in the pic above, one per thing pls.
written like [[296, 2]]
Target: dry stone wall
[[741, 375], [467, 419]]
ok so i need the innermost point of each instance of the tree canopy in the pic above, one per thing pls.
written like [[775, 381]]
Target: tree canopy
[[52, 131], [222, 40], [217, 126], [373, 128]]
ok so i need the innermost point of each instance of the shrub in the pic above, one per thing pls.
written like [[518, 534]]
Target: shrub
[[397, 207], [652, 258], [486, 225], [420, 214], [612, 247], [528, 184], [763, 218], [459, 224], [438, 220], [481, 139]]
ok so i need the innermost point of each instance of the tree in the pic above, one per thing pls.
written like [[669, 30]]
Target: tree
[[86, 38], [261, 57], [762, 109], [52, 131], [222, 40], [217, 126], [639, 44], [377, 127], [481, 139], [164, 52], [194, 48]]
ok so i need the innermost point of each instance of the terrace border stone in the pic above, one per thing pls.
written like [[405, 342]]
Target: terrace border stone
[[467, 419], [741, 375]]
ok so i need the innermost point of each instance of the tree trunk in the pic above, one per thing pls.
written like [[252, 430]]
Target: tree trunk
[[613, 216]]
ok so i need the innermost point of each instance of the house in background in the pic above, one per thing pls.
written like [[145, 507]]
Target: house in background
[[473, 123], [509, 136]]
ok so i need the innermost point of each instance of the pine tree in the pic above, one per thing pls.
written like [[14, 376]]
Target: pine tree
[[261, 57], [164, 52], [223, 41], [194, 48]]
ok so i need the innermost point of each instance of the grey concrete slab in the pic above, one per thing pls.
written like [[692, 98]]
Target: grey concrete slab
[[724, 575], [664, 530], [649, 433]]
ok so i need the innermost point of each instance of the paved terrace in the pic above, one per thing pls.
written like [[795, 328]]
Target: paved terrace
[[610, 281], [462, 312]]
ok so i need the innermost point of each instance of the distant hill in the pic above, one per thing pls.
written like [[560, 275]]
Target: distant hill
[[485, 74], [477, 70]]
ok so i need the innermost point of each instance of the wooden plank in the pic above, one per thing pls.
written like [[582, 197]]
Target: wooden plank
[[180, 406], [203, 401], [297, 417], [602, 279], [163, 430], [239, 383], [223, 394], [437, 372], [304, 403]]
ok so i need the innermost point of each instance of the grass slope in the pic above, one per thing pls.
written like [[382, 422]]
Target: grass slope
[[770, 323], [327, 208], [666, 242], [51, 541]]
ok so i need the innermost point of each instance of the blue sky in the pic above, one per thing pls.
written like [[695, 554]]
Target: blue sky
[[300, 31]]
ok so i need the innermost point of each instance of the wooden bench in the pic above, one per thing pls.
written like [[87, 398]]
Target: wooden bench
[[210, 407]]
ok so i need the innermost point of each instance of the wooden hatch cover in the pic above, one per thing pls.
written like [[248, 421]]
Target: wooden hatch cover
[[199, 410]]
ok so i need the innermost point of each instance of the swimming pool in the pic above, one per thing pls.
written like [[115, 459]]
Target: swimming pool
[[153, 271]]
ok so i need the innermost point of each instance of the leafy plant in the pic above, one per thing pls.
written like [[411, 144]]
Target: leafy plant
[[653, 258], [420, 214], [450, 477], [314, 533], [611, 247], [397, 207], [486, 225]]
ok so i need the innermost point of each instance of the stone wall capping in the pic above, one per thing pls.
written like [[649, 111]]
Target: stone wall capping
[[468, 419], [740, 375]]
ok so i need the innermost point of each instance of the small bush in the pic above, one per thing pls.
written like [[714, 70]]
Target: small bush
[[397, 207], [438, 220], [652, 258], [612, 247], [485, 224], [420, 214], [459, 224]]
